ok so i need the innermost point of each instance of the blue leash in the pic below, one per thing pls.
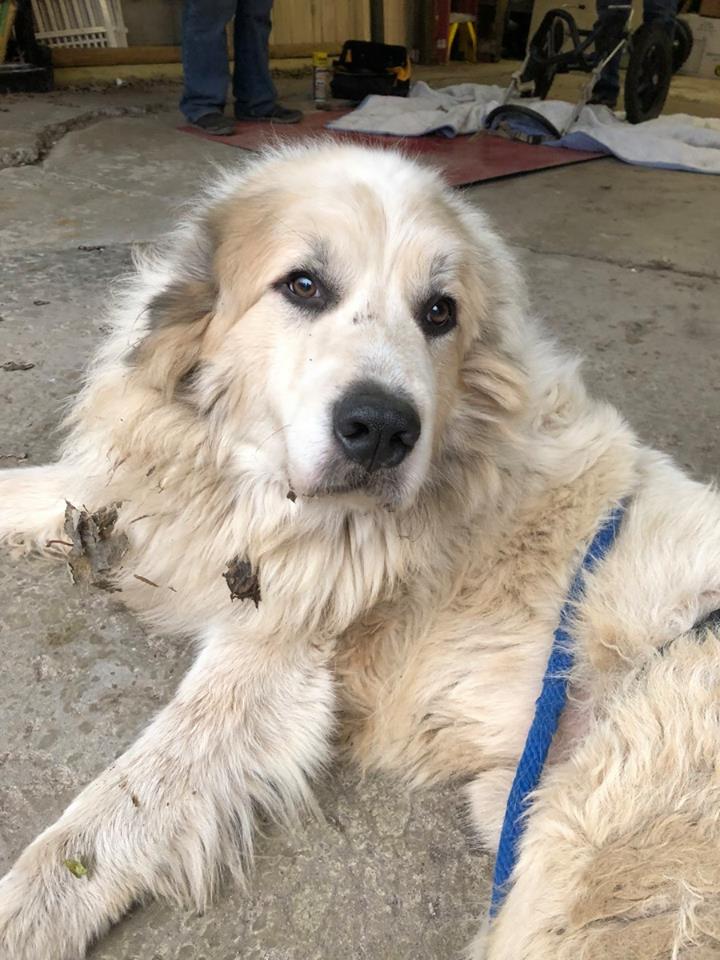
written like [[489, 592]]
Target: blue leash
[[548, 707]]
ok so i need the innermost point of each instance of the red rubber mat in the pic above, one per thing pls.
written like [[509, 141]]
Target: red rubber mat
[[466, 159]]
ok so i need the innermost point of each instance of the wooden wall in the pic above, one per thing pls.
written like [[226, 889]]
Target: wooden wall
[[322, 22], [299, 28], [325, 22], [397, 26]]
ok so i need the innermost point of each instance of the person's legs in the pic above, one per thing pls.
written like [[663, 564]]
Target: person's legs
[[607, 89], [654, 11], [254, 90], [204, 52], [660, 11]]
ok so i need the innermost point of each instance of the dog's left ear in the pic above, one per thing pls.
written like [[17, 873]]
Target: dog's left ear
[[177, 317], [496, 382]]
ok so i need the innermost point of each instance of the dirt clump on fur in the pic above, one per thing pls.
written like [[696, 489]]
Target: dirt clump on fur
[[96, 547], [242, 581]]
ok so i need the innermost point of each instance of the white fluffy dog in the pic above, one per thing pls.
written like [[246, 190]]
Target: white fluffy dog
[[331, 440]]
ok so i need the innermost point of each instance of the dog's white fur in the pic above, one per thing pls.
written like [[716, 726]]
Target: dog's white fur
[[414, 620]]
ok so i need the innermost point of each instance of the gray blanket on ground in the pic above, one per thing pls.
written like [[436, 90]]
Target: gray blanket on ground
[[676, 141]]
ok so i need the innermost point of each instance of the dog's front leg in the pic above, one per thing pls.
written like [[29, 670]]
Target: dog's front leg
[[248, 726], [32, 503]]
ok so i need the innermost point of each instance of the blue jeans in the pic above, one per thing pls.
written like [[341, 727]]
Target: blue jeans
[[654, 11], [205, 60]]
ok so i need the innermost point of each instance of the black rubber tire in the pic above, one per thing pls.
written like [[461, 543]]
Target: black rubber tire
[[543, 77], [649, 73], [682, 44]]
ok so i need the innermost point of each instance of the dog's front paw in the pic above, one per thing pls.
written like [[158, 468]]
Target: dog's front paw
[[50, 906]]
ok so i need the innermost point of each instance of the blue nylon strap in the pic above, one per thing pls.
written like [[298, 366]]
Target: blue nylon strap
[[548, 708]]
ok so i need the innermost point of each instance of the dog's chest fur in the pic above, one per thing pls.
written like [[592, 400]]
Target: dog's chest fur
[[449, 688]]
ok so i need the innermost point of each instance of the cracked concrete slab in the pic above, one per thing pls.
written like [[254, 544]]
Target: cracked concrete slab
[[651, 343], [613, 212], [381, 875], [52, 309], [117, 181], [29, 128]]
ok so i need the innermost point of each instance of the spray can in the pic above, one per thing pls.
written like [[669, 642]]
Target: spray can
[[321, 71]]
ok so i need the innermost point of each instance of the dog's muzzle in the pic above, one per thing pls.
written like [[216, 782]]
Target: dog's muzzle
[[374, 428]]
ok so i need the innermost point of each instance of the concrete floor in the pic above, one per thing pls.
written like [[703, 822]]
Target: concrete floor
[[623, 267]]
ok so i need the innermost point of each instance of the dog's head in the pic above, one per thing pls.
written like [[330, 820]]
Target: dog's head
[[345, 323]]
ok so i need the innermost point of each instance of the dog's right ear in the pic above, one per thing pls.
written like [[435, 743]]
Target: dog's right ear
[[192, 293], [176, 318], [184, 302]]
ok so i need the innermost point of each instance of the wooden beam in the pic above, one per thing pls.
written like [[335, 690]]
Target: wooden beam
[[81, 76], [377, 21], [423, 30], [8, 9], [109, 75], [113, 56], [132, 56]]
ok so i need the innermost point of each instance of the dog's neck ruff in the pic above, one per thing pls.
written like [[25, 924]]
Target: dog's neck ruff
[[548, 707]]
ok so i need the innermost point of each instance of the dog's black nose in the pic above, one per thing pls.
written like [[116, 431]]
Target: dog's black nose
[[375, 428]]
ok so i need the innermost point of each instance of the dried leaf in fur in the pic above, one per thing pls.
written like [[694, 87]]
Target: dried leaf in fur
[[76, 867], [242, 581], [97, 548]]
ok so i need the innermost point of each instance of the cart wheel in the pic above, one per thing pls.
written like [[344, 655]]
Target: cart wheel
[[545, 45], [682, 44], [649, 72]]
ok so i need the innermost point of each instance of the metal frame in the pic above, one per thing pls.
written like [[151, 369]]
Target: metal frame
[[580, 57]]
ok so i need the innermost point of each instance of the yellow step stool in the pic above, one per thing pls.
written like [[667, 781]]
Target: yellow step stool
[[464, 22]]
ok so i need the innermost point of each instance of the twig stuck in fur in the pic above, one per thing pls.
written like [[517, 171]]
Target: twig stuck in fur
[[150, 583]]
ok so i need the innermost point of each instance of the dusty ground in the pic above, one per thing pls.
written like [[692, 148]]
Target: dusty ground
[[623, 267]]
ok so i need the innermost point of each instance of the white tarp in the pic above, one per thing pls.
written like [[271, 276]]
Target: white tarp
[[677, 141]]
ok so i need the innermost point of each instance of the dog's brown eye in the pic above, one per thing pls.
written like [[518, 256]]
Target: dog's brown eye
[[439, 316], [306, 292], [304, 286]]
